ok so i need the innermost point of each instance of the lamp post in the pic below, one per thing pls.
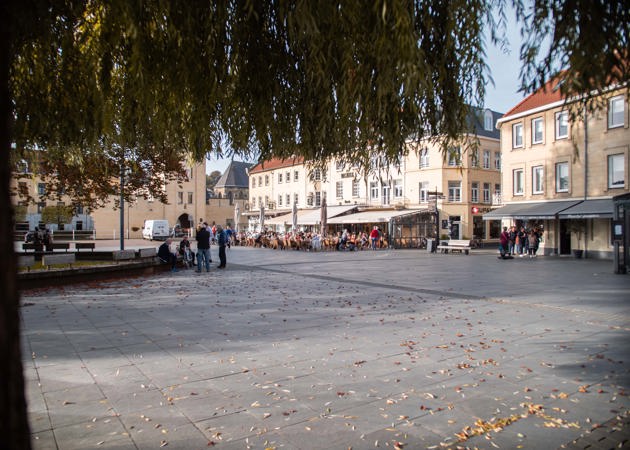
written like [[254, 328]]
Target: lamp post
[[122, 206]]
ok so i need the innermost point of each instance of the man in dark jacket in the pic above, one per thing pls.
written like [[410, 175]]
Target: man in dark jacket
[[165, 255], [203, 248], [222, 241]]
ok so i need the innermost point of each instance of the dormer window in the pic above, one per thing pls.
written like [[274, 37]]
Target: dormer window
[[488, 120]]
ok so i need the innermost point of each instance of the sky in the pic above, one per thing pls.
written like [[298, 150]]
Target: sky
[[504, 65]]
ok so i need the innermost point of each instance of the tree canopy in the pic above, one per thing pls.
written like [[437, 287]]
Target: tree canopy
[[97, 87]]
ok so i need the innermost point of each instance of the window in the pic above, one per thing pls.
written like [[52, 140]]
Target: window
[[474, 158], [373, 189], [339, 165], [454, 156], [253, 202], [266, 181], [355, 188], [454, 191], [41, 188], [279, 199], [486, 159], [287, 177], [296, 175], [518, 182], [537, 130], [260, 203], [487, 120], [497, 160], [318, 198], [616, 112], [474, 192], [424, 158], [517, 135], [288, 198], [538, 180], [253, 182], [562, 177], [616, 173], [339, 189], [398, 188], [266, 201], [22, 166], [562, 125], [424, 191], [180, 198], [309, 199], [296, 198], [280, 178], [486, 192], [190, 198], [317, 175]]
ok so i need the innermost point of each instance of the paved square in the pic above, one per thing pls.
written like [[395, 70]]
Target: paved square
[[338, 350]]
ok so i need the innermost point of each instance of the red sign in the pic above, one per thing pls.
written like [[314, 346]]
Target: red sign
[[475, 210]]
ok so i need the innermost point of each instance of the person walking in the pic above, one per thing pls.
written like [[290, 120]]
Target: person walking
[[221, 241], [203, 248]]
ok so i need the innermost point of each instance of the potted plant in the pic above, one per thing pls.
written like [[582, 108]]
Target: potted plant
[[578, 226]]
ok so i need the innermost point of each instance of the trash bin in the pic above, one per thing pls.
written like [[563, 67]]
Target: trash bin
[[430, 245]]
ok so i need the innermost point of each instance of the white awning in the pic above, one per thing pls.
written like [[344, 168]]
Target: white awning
[[309, 216], [374, 216]]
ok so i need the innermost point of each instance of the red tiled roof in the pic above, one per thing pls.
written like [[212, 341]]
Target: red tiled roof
[[276, 163], [547, 94]]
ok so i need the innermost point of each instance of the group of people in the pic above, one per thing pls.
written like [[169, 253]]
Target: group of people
[[519, 241], [205, 236], [41, 237]]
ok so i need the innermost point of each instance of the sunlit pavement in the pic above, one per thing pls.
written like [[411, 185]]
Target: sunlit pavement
[[301, 350]]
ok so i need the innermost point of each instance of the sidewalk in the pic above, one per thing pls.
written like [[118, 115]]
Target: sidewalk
[[295, 350]]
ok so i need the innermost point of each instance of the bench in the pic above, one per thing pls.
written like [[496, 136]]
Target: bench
[[49, 260], [30, 246], [84, 245], [461, 245], [26, 261], [145, 253], [123, 255], [60, 246]]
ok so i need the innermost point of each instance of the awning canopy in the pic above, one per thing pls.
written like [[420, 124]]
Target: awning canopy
[[309, 216], [526, 211], [600, 208], [375, 216]]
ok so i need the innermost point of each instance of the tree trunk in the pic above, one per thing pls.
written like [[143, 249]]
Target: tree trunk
[[14, 428]]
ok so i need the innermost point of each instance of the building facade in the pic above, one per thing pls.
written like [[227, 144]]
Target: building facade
[[457, 189], [562, 165]]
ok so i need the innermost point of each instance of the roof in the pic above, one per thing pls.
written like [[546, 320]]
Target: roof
[[545, 95], [477, 116], [276, 163], [235, 175]]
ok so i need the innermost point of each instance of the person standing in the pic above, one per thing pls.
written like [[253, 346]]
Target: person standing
[[203, 248], [504, 239], [374, 236], [210, 239], [222, 241]]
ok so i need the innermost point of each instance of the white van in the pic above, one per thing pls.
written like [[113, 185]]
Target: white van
[[155, 229]]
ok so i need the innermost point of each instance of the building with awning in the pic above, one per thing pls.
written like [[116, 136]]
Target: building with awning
[[561, 166]]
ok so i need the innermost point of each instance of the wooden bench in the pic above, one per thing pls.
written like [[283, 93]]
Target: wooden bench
[[461, 245], [60, 246], [67, 258], [26, 261], [123, 255], [84, 245]]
